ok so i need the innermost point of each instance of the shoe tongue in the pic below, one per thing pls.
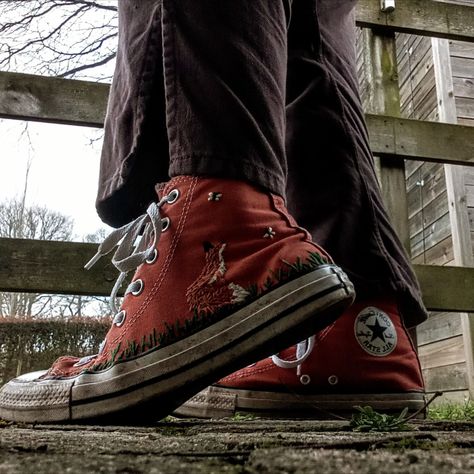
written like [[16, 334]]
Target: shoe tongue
[[159, 189]]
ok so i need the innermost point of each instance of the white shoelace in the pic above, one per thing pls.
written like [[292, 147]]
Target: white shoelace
[[303, 351], [129, 254]]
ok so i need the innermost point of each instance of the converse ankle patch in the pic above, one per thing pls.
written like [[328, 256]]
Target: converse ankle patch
[[375, 332]]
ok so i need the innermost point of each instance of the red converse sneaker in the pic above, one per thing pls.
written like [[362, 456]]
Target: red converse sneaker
[[364, 358], [224, 277]]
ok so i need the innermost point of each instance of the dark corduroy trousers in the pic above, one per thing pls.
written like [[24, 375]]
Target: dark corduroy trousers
[[260, 90]]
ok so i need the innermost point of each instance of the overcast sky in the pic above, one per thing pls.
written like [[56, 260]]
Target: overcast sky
[[64, 164], [63, 173]]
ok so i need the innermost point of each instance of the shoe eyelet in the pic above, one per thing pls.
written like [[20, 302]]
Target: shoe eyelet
[[173, 196], [153, 257], [140, 285], [333, 380], [119, 318], [305, 379], [165, 224], [85, 360]]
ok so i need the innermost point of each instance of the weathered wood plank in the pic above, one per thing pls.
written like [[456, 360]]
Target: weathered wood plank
[[445, 352], [46, 99], [416, 78], [57, 267], [470, 199], [460, 49], [383, 97], [412, 54], [425, 186], [462, 67], [440, 254], [430, 213], [419, 140], [450, 377], [469, 176], [51, 99], [456, 190], [466, 121], [53, 267], [465, 107], [431, 235], [447, 288], [421, 17], [464, 87], [438, 327]]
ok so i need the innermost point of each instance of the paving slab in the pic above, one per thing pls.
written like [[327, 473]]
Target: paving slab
[[250, 446]]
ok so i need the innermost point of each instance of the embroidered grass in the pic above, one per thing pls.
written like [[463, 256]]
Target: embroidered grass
[[202, 319]]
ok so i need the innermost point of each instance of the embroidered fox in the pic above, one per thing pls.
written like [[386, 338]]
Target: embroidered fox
[[211, 291]]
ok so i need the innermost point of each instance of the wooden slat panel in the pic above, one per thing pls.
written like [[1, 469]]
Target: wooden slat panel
[[438, 231], [450, 377], [421, 17], [439, 326], [439, 254], [440, 353], [430, 213], [460, 49], [464, 87], [425, 185], [57, 267]]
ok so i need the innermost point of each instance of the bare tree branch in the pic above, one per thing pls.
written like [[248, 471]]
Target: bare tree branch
[[73, 71], [66, 38]]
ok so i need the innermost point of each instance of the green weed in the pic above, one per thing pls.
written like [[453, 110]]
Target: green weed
[[452, 411], [368, 420]]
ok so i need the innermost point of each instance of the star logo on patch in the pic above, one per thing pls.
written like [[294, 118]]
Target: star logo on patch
[[375, 332]]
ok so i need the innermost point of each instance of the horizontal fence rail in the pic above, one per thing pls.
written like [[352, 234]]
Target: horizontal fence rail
[[52, 99], [57, 267], [66, 101], [419, 17]]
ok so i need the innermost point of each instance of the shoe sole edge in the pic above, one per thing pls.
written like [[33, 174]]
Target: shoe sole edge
[[120, 393], [222, 402]]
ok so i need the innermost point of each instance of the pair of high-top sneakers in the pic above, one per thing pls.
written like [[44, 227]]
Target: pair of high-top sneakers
[[223, 277]]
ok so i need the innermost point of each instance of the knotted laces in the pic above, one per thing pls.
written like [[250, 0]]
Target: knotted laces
[[132, 251]]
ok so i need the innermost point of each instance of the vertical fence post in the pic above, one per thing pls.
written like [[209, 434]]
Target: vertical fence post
[[456, 191], [384, 98]]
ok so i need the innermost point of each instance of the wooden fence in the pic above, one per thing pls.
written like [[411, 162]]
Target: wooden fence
[[57, 267]]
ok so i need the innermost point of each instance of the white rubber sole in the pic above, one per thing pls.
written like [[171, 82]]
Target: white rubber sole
[[152, 385], [222, 402]]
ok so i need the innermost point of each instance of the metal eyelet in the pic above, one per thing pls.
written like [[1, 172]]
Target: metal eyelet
[[119, 318], [153, 257], [173, 196], [333, 380], [165, 224], [85, 360], [139, 283], [305, 379]]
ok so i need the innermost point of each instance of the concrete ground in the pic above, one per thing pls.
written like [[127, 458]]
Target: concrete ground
[[253, 446]]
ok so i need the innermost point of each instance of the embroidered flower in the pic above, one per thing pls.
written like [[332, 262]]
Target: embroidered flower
[[214, 196], [269, 234]]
